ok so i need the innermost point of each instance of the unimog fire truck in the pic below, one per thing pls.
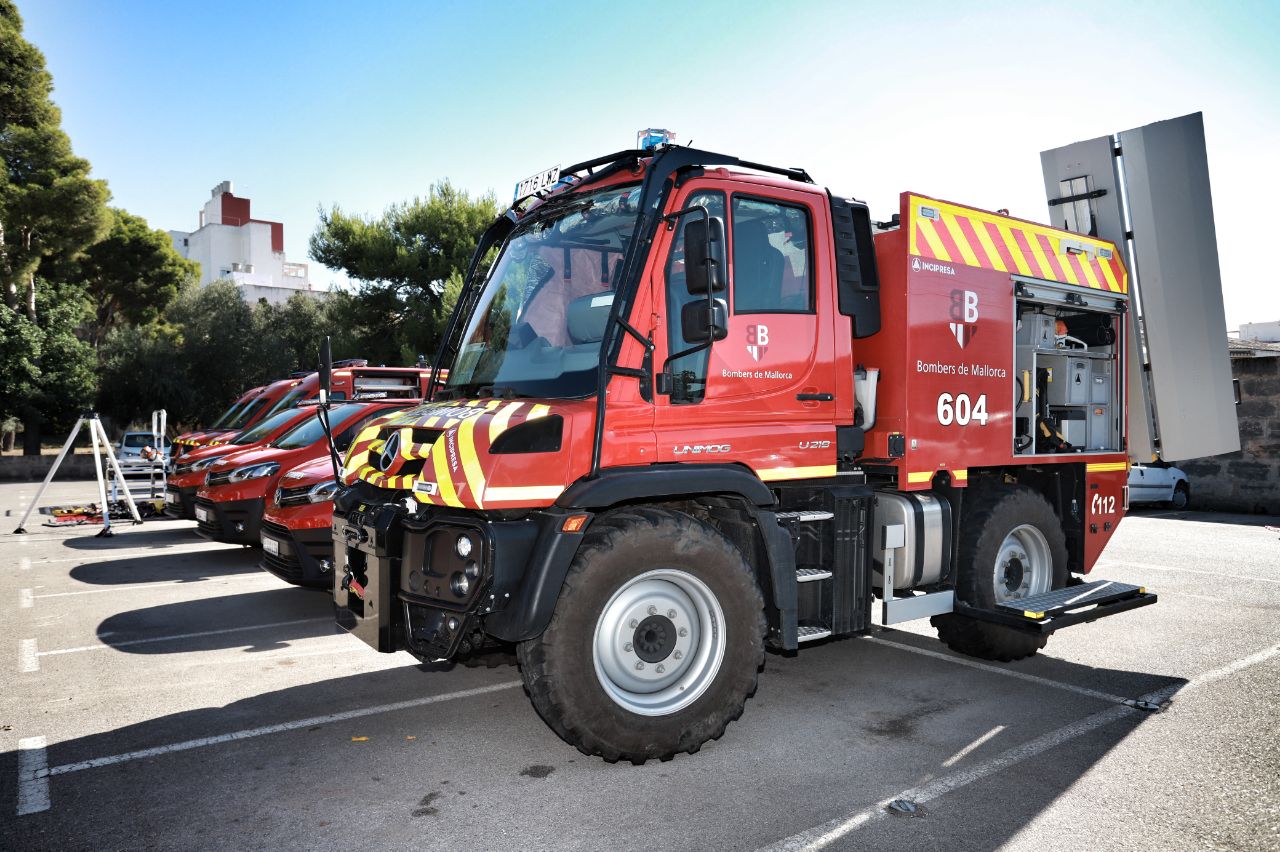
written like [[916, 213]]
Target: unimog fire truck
[[699, 407]]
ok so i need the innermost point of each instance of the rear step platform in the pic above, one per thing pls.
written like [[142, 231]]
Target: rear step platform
[[1051, 611]]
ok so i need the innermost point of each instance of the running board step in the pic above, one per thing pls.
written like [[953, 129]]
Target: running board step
[[810, 633], [808, 575], [1051, 611], [804, 517]]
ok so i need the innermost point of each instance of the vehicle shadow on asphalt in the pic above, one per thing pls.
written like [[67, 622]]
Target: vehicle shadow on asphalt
[[126, 536], [766, 757], [178, 567], [254, 621]]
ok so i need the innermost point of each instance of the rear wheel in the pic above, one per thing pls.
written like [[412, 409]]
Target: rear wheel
[[656, 640], [1011, 547]]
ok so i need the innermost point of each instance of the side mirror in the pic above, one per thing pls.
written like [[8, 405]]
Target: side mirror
[[326, 369], [704, 322], [704, 255]]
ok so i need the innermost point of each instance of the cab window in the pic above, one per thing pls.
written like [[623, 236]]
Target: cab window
[[689, 373], [772, 268]]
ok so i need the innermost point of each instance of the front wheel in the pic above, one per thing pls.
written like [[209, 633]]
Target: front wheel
[[1181, 496], [656, 640]]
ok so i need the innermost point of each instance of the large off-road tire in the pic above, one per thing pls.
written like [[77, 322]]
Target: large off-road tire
[[656, 641], [1011, 546]]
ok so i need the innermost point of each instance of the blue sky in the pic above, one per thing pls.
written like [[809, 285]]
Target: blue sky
[[303, 104]]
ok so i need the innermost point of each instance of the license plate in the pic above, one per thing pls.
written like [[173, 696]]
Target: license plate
[[172, 499], [538, 182], [202, 514], [270, 545]]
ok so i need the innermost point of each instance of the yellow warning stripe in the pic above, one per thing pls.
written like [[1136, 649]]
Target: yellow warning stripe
[[470, 461], [1106, 467], [773, 474], [961, 475], [918, 476], [926, 234], [443, 480], [498, 424]]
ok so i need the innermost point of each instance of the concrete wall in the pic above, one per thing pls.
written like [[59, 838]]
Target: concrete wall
[[1248, 480], [35, 468]]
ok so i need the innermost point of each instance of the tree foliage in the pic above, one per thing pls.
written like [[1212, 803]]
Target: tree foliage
[[132, 274], [402, 260], [50, 209]]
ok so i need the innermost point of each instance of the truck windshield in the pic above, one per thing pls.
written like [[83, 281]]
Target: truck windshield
[[221, 422], [248, 413], [292, 398], [537, 327]]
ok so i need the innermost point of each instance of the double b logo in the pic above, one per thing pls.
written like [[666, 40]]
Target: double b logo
[[964, 315], [757, 340]]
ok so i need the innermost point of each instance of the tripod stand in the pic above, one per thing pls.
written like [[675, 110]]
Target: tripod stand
[[97, 435]]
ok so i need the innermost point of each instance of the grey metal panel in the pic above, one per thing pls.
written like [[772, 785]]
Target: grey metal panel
[[1166, 175], [1094, 161], [1176, 280]]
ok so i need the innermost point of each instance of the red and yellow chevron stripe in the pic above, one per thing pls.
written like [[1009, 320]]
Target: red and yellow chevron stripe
[[950, 233], [451, 460]]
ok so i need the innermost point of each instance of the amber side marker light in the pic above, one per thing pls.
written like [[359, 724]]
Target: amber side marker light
[[574, 523]]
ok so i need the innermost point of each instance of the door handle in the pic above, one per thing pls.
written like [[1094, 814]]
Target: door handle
[[816, 397]]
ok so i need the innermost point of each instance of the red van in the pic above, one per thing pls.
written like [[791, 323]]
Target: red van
[[229, 506], [297, 544]]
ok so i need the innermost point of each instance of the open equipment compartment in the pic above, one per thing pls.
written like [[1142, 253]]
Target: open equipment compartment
[[1067, 376]]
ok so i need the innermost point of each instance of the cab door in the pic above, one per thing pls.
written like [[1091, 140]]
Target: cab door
[[764, 395]]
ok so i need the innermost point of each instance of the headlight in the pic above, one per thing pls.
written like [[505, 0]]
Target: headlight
[[463, 546], [322, 491], [203, 463], [459, 584], [253, 471]]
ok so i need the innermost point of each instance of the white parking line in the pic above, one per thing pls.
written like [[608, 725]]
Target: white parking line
[[28, 658], [973, 664], [24, 564], [25, 599], [971, 747], [177, 636], [829, 832], [124, 587], [33, 775]]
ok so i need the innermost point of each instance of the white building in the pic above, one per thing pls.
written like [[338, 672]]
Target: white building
[[1268, 332], [231, 245]]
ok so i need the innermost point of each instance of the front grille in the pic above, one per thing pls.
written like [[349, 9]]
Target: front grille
[[296, 496], [222, 477]]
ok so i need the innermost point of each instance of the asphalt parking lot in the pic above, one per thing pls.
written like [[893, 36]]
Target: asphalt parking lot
[[161, 692]]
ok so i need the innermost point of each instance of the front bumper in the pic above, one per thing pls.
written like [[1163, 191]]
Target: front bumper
[[397, 579], [295, 555], [232, 521], [180, 502]]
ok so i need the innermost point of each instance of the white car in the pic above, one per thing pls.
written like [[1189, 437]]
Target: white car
[[129, 450], [1159, 483]]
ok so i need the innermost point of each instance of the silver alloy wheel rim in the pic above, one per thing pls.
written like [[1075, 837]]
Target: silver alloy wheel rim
[[1024, 565], [696, 644]]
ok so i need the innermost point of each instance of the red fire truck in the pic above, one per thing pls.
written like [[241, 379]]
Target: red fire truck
[[229, 505], [221, 426], [351, 378], [699, 406]]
